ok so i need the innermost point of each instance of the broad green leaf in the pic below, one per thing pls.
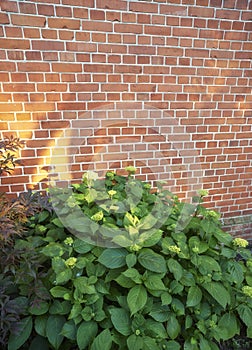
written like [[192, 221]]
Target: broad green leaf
[[39, 343], [152, 261], [113, 258], [83, 285], [82, 247], [154, 282], [160, 312], [155, 329], [175, 268], [60, 307], [43, 215], [204, 344], [39, 308], [134, 275], [53, 249], [172, 345], [223, 237], [136, 299], [166, 298], [123, 241], [245, 313], [153, 239], [53, 330], [218, 292], [69, 330], [178, 307], [59, 292], [228, 325], [207, 264], [173, 327], [121, 320], [194, 296], [57, 222], [135, 342], [131, 260], [64, 276], [18, 339], [150, 344], [86, 333], [40, 325], [125, 282], [196, 244], [103, 341], [236, 271]]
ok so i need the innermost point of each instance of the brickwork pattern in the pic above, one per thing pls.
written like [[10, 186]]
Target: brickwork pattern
[[164, 85]]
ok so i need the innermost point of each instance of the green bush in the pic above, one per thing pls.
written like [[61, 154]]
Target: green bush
[[118, 266]]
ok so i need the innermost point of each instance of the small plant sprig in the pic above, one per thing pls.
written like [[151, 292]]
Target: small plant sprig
[[8, 150]]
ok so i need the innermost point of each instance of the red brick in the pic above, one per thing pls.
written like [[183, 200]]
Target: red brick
[[111, 4], [63, 23], [66, 67], [173, 10], [138, 7], [228, 14], [184, 32], [201, 12], [27, 8], [28, 21], [4, 18], [9, 6], [46, 10], [14, 44]]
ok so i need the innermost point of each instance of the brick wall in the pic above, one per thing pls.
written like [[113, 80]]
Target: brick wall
[[101, 84]]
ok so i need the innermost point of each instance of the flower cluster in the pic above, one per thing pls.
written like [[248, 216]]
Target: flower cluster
[[240, 242], [174, 249], [130, 169], [71, 262], [68, 241], [203, 193], [97, 216], [247, 290], [111, 193]]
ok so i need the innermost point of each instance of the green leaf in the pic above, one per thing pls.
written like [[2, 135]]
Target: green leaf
[[59, 292], [69, 330], [18, 339], [134, 275], [236, 271], [154, 282], [245, 313], [150, 344], [159, 312], [175, 268], [155, 329], [173, 327], [136, 299], [218, 292], [121, 320], [135, 342], [43, 215], [64, 276], [152, 261], [39, 309], [207, 264], [131, 260], [194, 296], [86, 333], [166, 298], [39, 343], [54, 326], [57, 222], [82, 247], [40, 325], [228, 325], [53, 250], [113, 258], [103, 341], [60, 308], [172, 345]]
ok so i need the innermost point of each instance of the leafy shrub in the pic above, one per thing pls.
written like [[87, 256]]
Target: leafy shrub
[[152, 281]]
